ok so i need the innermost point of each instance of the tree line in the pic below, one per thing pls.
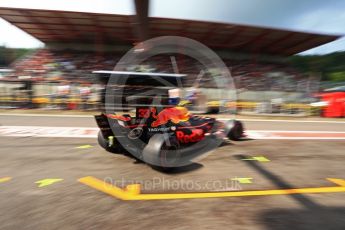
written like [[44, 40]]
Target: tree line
[[331, 66], [9, 55]]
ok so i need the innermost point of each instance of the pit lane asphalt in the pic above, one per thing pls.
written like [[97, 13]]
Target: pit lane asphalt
[[71, 205]]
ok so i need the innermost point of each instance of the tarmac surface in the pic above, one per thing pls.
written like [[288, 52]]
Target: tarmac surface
[[63, 202]]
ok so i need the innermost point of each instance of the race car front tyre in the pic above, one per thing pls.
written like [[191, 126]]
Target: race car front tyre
[[104, 143]]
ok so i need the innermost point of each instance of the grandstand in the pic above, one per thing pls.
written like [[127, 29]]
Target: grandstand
[[76, 43], [56, 28]]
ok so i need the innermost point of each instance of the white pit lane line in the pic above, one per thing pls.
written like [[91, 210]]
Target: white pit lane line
[[219, 118], [294, 135], [84, 132], [44, 131]]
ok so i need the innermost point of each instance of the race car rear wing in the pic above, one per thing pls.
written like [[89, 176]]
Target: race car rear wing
[[141, 79]]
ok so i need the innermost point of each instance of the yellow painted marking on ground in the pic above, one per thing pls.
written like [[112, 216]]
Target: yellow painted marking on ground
[[243, 180], [84, 147], [105, 187], [339, 182], [258, 158], [133, 189], [130, 195], [46, 182], [5, 179]]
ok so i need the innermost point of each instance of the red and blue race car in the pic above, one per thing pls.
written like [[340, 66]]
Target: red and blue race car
[[162, 135]]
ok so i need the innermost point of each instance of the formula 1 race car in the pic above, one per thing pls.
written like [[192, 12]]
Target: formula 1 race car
[[164, 136], [171, 129]]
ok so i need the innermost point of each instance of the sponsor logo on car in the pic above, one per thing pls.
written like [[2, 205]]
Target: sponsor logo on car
[[174, 114], [195, 136], [160, 129]]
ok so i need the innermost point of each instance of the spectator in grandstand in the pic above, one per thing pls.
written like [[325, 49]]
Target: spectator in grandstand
[[85, 93], [63, 91]]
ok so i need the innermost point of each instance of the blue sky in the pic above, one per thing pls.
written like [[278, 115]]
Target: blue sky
[[306, 15]]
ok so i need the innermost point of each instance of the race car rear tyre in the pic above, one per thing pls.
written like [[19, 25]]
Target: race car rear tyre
[[236, 130], [104, 143]]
